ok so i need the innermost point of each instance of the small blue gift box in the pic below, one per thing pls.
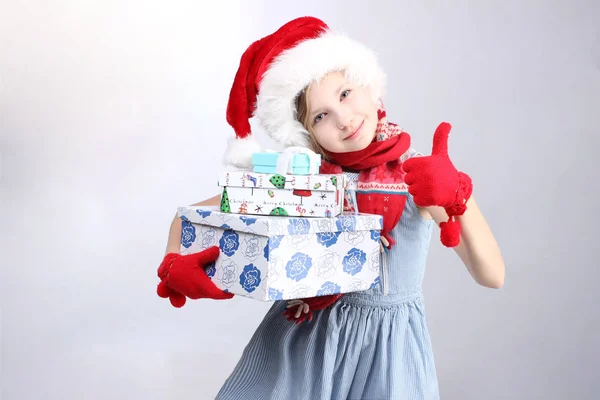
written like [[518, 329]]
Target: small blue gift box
[[298, 164], [280, 258]]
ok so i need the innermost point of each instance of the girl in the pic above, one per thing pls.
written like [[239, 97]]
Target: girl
[[311, 87]]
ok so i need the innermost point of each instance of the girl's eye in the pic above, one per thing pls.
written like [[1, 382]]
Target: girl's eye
[[319, 117], [345, 94]]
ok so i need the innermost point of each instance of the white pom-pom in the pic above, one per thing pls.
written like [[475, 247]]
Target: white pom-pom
[[239, 153]]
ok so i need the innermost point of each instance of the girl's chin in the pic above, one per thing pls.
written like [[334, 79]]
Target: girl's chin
[[349, 147], [356, 147]]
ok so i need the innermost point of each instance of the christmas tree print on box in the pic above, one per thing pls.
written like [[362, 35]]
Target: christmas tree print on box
[[225, 202]]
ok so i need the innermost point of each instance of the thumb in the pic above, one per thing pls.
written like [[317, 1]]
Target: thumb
[[206, 256], [440, 139]]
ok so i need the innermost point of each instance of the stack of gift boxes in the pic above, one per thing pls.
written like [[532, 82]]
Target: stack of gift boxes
[[283, 232]]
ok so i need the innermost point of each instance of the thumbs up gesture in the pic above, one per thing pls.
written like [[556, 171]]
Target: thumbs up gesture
[[434, 181]]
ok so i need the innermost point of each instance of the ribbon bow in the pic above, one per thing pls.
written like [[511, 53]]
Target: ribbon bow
[[285, 160]]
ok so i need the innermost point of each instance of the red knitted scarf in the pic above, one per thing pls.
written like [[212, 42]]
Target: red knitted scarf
[[381, 188]]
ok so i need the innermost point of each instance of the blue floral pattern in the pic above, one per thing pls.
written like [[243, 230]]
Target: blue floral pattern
[[346, 223], [229, 243], [324, 225], [299, 242], [354, 261], [210, 269], [328, 239], [296, 250], [275, 241], [375, 283], [248, 220], [329, 288], [204, 213], [374, 260], [327, 264], [299, 226], [376, 236], [250, 278], [188, 234], [298, 266], [252, 248], [227, 273], [272, 244], [209, 238], [275, 294], [356, 285], [354, 238], [301, 292]]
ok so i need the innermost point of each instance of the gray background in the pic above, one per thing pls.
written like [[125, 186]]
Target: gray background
[[112, 115]]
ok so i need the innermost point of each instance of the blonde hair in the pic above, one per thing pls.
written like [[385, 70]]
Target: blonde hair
[[303, 116]]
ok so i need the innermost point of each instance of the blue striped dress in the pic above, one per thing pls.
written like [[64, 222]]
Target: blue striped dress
[[371, 345]]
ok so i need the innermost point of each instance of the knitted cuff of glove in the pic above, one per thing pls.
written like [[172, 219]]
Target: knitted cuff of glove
[[165, 266], [463, 193]]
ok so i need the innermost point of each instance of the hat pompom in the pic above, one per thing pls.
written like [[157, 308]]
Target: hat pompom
[[450, 233], [239, 152]]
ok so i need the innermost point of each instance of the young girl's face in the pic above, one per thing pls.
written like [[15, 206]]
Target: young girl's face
[[342, 115]]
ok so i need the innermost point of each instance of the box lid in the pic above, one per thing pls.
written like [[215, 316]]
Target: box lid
[[319, 183], [265, 225], [270, 159]]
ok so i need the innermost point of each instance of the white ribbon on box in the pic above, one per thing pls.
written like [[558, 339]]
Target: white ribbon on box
[[285, 160]]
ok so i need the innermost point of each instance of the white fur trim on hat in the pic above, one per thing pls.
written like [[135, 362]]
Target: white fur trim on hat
[[308, 62], [239, 153]]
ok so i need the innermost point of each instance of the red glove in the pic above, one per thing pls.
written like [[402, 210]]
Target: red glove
[[184, 276], [302, 309], [434, 181]]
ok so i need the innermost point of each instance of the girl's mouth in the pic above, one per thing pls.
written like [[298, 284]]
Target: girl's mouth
[[355, 132]]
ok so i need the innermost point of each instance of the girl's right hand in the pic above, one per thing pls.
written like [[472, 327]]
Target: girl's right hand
[[305, 307], [184, 276]]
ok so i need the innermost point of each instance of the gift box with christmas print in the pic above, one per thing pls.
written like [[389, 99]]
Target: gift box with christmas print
[[275, 258], [298, 164], [277, 194]]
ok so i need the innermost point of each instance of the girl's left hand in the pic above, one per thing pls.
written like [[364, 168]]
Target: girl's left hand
[[433, 180]]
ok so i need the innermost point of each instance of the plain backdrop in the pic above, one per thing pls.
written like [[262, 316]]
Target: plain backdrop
[[113, 114]]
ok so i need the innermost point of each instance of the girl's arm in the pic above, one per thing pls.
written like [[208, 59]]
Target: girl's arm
[[174, 240], [478, 249]]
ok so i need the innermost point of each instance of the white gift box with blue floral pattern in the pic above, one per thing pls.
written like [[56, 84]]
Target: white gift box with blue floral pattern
[[279, 258]]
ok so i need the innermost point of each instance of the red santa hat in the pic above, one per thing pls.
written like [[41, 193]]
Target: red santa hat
[[275, 69]]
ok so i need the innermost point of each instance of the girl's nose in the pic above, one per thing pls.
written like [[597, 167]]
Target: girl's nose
[[344, 119]]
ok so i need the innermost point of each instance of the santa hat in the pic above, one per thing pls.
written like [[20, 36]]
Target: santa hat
[[275, 69]]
